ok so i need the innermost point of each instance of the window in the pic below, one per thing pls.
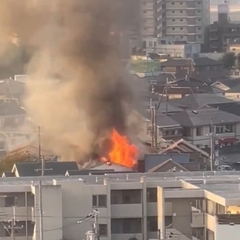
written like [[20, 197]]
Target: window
[[99, 200], [181, 28], [126, 196], [187, 132], [9, 201], [152, 224], [199, 131], [229, 128], [219, 129], [181, 12], [173, 20], [198, 11], [173, 11], [199, 28], [103, 231], [152, 195], [126, 225], [144, 11], [173, 28], [173, 3], [180, 3]]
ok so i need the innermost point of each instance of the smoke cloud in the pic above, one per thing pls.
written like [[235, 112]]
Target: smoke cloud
[[77, 90]]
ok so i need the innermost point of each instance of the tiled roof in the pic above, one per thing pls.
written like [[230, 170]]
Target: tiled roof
[[51, 168], [177, 62], [235, 89], [174, 164], [152, 160], [205, 61], [189, 147], [162, 120], [199, 100], [203, 117]]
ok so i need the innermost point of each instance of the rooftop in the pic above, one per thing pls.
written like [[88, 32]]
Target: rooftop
[[199, 100], [203, 61], [225, 185], [203, 117]]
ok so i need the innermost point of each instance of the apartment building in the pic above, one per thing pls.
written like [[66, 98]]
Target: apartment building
[[182, 20], [183, 206]]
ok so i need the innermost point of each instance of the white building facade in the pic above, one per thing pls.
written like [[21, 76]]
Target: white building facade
[[190, 205]]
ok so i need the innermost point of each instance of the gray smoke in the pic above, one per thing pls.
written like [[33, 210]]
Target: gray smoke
[[77, 89]]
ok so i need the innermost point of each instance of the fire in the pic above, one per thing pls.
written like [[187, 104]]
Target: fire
[[122, 152]]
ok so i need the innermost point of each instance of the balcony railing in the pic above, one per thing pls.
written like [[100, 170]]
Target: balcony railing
[[228, 219]]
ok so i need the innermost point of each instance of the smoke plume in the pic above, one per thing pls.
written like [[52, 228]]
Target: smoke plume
[[77, 90]]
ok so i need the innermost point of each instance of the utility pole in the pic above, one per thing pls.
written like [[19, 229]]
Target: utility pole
[[13, 226], [212, 146], [13, 223], [94, 234], [41, 159], [152, 124], [166, 93]]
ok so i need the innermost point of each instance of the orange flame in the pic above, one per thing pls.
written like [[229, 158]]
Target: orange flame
[[122, 152]]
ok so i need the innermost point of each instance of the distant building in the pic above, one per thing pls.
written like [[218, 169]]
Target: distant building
[[220, 35], [182, 21], [222, 32], [181, 49]]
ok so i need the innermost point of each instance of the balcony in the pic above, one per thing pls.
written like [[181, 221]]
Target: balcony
[[126, 211], [16, 238], [22, 213], [197, 219]]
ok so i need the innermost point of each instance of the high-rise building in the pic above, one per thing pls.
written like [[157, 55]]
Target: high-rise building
[[182, 20]]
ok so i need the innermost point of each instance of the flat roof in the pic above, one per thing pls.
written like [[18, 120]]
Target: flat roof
[[224, 184]]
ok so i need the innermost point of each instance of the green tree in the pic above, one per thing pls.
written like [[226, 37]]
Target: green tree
[[229, 60]]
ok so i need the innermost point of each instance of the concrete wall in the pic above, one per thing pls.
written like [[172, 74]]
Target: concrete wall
[[223, 232]]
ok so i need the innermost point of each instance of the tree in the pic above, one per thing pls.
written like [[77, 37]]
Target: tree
[[229, 59]]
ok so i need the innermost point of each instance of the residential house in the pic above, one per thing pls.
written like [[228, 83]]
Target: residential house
[[173, 91], [149, 99], [197, 126], [174, 65], [199, 100], [197, 86], [196, 155], [30, 169], [167, 128], [163, 162], [205, 63], [168, 166], [233, 93], [210, 76]]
